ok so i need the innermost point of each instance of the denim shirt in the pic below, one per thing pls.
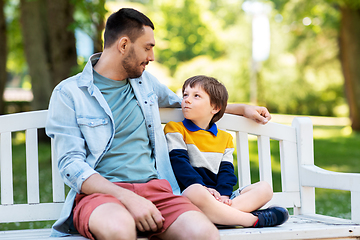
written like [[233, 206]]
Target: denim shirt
[[82, 126]]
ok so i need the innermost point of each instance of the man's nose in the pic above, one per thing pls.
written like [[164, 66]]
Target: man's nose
[[151, 55]]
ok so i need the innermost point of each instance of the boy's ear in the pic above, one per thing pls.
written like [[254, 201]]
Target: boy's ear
[[215, 110]]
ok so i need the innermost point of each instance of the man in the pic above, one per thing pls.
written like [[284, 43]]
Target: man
[[108, 138]]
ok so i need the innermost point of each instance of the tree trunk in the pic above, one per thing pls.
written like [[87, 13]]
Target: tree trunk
[[350, 60], [3, 57], [49, 44], [62, 39], [34, 37], [99, 26]]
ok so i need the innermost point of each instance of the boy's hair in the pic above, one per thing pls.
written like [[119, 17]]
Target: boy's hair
[[216, 91], [126, 21]]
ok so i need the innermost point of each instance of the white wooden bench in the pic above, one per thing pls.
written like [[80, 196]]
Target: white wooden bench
[[299, 178]]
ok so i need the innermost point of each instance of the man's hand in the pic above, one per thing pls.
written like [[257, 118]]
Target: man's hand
[[147, 217]]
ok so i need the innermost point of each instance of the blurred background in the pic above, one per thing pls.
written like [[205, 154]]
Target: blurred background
[[294, 57]]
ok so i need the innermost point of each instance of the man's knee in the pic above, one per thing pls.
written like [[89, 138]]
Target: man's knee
[[204, 230], [112, 221]]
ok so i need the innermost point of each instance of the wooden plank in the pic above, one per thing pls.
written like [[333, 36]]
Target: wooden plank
[[32, 166], [39, 234], [297, 227], [30, 212], [7, 190], [265, 159], [57, 182], [243, 162], [21, 121]]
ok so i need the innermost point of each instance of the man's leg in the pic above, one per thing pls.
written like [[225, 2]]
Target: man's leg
[[112, 221], [191, 225], [102, 216]]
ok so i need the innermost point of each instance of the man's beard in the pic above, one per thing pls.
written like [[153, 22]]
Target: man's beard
[[129, 64]]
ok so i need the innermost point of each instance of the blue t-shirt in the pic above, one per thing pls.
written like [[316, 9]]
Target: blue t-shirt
[[124, 162]]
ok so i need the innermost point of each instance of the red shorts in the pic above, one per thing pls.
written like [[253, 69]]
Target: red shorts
[[159, 192]]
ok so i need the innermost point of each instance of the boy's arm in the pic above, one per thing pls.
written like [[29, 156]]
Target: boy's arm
[[226, 179], [185, 174], [256, 113]]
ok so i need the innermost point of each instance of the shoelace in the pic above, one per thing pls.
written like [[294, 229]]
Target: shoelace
[[269, 218]]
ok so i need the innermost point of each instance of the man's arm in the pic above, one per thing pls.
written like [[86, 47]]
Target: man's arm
[[147, 217], [256, 113]]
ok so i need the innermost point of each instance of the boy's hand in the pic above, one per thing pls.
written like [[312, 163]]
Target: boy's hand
[[226, 200], [215, 193], [258, 114]]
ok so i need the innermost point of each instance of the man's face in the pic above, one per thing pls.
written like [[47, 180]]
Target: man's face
[[140, 53]]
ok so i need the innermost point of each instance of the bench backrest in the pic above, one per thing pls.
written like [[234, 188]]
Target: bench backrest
[[242, 128]]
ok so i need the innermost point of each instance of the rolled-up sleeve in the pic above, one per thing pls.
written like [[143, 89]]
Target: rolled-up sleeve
[[69, 144]]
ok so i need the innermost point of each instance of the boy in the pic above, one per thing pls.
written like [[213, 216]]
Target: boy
[[201, 157]]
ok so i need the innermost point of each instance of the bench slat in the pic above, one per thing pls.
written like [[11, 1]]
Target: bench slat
[[242, 145], [32, 166], [57, 182], [265, 159], [30, 212], [7, 190], [289, 169]]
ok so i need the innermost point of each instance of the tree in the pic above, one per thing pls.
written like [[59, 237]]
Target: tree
[[348, 35], [350, 59], [49, 45], [3, 56], [90, 17]]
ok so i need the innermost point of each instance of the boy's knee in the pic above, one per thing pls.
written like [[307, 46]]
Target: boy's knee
[[196, 193], [266, 189]]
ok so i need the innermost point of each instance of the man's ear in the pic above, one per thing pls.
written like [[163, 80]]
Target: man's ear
[[122, 44]]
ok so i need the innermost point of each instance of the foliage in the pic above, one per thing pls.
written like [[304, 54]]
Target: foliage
[[16, 63], [185, 29]]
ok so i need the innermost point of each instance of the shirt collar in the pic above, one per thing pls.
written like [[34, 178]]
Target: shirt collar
[[193, 127]]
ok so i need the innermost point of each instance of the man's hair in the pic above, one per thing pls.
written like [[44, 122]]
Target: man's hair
[[126, 21], [216, 91]]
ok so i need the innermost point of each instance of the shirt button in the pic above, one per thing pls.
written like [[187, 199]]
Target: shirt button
[[149, 126], [145, 102], [68, 175], [140, 82]]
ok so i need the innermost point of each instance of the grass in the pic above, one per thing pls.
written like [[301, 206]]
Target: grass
[[336, 149]]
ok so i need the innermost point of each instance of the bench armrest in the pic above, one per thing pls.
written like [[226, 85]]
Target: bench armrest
[[314, 176]]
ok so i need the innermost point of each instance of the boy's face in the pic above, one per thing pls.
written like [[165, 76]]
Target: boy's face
[[196, 106]]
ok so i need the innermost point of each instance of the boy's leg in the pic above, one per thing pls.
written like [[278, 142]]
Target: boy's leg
[[216, 211], [253, 197]]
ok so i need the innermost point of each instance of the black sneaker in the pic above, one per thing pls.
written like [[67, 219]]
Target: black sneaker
[[271, 216]]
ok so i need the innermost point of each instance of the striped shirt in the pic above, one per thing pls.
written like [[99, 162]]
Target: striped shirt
[[201, 156]]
